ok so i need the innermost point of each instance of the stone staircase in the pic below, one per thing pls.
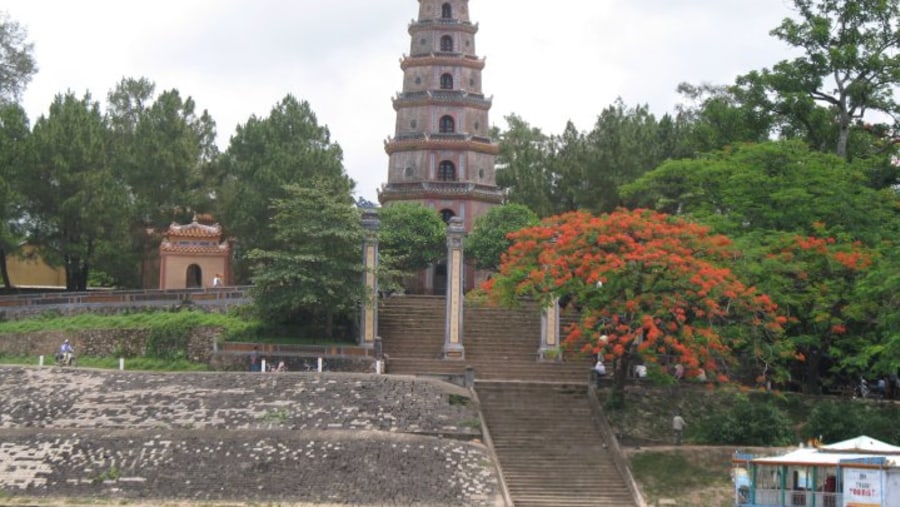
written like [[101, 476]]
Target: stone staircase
[[549, 446], [550, 449], [500, 343]]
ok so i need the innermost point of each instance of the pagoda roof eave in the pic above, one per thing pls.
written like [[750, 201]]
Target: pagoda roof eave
[[440, 60], [394, 146]]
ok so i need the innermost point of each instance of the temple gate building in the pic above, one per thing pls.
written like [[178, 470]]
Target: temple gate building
[[193, 255], [441, 154]]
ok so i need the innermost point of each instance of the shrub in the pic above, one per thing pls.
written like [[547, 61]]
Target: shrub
[[747, 422], [841, 420], [169, 341]]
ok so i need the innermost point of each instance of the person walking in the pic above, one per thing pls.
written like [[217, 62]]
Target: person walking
[[678, 425]]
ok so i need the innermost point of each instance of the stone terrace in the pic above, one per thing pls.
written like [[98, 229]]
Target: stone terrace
[[347, 439]]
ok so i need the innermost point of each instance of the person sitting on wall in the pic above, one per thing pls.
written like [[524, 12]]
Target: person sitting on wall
[[217, 280], [66, 353]]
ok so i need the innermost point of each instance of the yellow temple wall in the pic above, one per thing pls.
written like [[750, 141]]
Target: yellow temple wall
[[28, 269], [174, 270]]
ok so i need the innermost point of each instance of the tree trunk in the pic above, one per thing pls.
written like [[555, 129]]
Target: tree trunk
[[813, 363], [4, 270], [329, 323], [76, 274], [620, 378], [843, 139]]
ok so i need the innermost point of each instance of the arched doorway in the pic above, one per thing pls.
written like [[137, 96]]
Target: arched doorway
[[194, 276]]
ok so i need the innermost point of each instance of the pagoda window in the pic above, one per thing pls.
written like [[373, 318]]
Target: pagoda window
[[447, 125], [447, 44], [447, 171], [446, 81], [446, 215], [447, 11]]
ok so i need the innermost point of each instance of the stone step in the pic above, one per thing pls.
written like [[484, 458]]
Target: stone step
[[553, 456]]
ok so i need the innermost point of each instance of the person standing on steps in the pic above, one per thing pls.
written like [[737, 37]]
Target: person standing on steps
[[254, 359], [678, 425]]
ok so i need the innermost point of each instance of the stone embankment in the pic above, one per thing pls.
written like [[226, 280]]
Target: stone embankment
[[280, 438]]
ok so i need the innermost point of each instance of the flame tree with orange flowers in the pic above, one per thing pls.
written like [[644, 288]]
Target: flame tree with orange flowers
[[648, 288]]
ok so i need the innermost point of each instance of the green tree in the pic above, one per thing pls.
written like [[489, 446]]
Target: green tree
[[14, 138], [522, 166], [315, 269], [624, 144], [264, 155], [16, 59], [851, 62], [646, 287], [412, 237], [73, 197], [568, 162], [773, 186], [877, 301], [721, 116], [161, 145], [815, 280], [489, 237]]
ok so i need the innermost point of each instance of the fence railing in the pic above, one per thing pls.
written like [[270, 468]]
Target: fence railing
[[773, 498]]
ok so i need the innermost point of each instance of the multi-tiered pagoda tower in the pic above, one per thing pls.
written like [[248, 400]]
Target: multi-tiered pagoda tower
[[441, 154]]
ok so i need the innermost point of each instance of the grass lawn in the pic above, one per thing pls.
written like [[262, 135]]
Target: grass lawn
[[692, 476]]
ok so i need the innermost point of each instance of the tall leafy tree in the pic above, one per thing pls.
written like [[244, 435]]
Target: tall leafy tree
[[719, 116], [850, 61], [14, 138], [161, 145], [773, 186], [878, 302], [624, 144], [73, 197], [522, 166], [265, 154], [815, 280], [314, 270], [489, 238], [648, 288], [568, 162], [412, 237], [17, 63]]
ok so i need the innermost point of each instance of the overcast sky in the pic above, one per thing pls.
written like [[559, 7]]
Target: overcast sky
[[547, 61]]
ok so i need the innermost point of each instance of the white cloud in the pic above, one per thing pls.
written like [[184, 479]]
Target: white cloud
[[549, 62]]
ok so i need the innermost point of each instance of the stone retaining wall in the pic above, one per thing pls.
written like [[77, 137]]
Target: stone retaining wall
[[202, 348], [333, 438], [103, 343]]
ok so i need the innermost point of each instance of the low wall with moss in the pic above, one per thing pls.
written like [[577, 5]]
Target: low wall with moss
[[200, 344]]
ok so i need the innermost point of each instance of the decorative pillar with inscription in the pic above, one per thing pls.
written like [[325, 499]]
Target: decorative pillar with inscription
[[453, 338], [368, 326], [550, 332]]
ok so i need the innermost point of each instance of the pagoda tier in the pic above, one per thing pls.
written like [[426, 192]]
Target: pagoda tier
[[441, 154]]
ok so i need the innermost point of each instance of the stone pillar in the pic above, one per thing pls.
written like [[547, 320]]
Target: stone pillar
[[550, 332], [453, 335], [368, 326]]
